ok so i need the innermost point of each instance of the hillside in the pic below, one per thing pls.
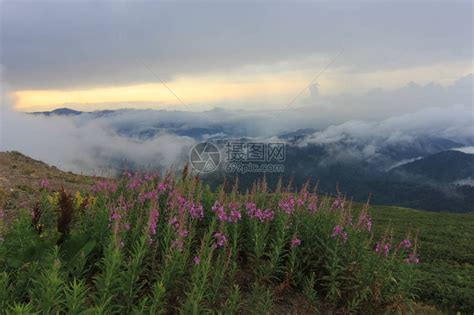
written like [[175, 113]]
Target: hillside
[[444, 277], [446, 166], [20, 178]]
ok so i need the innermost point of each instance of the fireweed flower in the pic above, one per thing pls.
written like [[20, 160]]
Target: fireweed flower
[[197, 260], [221, 239], [152, 221], [365, 221], [313, 203], [406, 243], [339, 231], [303, 197], [44, 183], [235, 214], [412, 259], [264, 215], [105, 186], [386, 249], [162, 187], [196, 211], [173, 221], [288, 205], [295, 242], [377, 247], [251, 209], [218, 209], [338, 203]]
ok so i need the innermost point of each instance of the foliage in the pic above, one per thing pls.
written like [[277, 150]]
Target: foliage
[[170, 245]]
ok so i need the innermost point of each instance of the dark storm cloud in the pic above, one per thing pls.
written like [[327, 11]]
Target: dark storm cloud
[[52, 44]]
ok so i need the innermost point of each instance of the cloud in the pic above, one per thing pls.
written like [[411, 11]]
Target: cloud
[[82, 43], [86, 146], [150, 138]]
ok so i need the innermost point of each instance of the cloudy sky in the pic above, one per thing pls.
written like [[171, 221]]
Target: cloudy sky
[[92, 55]]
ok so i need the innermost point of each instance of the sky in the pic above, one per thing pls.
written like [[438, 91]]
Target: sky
[[91, 55]]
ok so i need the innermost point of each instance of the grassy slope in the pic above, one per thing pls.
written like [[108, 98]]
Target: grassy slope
[[446, 247], [446, 240]]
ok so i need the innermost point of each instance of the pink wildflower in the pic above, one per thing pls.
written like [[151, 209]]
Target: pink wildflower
[[264, 215], [295, 242], [162, 187], [365, 221], [313, 204], [406, 243], [412, 259], [218, 209], [338, 203], [251, 209], [197, 260], [221, 239], [196, 211], [44, 183], [386, 249], [234, 212], [339, 231], [152, 221], [377, 247], [288, 205]]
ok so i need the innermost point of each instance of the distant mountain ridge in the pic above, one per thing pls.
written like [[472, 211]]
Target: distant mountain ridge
[[447, 166]]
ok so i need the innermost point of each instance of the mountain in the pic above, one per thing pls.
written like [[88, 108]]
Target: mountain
[[60, 112], [446, 166]]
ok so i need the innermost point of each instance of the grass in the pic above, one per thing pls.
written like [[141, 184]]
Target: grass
[[171, 245], [445, 245]]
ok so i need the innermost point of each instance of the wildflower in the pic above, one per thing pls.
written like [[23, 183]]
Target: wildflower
[[173, 221], [234, 212], [365, 221], [152, 221], [338, 203], [264, 215], [412, 259], [288, 205], [126, 226], [196, 211], [377, 247], [295, 242], [165, 185], [218, 209], [302, 198], [386, 249], [221, 239], [44, 183], [183, 233], [106, 186], [313, 204], [251, 209], [339, 231], [406, 243], [135, 183], [197, 260]]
